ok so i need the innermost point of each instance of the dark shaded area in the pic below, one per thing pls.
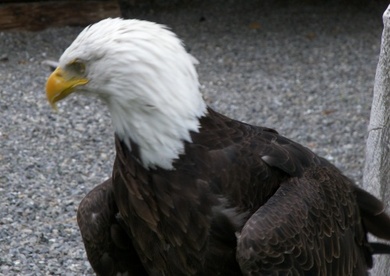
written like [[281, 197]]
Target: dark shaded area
[[130, 8]]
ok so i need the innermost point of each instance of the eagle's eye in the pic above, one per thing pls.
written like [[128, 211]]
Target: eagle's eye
[[77, 67]]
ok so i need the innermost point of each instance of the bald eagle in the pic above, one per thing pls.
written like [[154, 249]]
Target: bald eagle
[[193, 192]]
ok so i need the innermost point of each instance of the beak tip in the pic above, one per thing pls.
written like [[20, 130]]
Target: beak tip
[[54, 107]]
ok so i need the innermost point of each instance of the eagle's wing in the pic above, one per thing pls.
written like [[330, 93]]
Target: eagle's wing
[[108, 247], [310, 225], [312, 218]]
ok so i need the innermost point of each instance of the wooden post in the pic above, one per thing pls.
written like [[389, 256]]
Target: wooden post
[[376, 177]]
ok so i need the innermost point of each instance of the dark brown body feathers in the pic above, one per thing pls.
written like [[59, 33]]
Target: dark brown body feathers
[[241, 200]]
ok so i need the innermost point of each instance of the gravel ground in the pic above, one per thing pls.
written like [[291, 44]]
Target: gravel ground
[[306, 70]]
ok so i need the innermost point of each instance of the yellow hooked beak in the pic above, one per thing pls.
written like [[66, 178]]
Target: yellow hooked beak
[[60, 85]]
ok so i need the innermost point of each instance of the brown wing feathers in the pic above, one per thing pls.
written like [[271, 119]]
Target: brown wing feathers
[[304, 232], [109, 248]]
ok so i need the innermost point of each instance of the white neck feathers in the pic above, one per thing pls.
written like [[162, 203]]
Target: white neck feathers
[[154, 98]]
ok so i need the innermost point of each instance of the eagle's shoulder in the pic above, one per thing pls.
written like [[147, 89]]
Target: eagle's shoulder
[[244, 141]]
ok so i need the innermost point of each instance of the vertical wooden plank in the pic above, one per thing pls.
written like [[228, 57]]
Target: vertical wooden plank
[[376, 177]]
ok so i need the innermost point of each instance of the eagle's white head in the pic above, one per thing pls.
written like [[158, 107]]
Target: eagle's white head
[[145, 76]]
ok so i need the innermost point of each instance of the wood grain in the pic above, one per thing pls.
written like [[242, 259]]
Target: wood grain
[[34, 16]]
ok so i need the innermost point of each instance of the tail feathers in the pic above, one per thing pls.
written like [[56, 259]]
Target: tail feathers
[[378, 225], [372, 210], [380, 248], [368, 203]]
